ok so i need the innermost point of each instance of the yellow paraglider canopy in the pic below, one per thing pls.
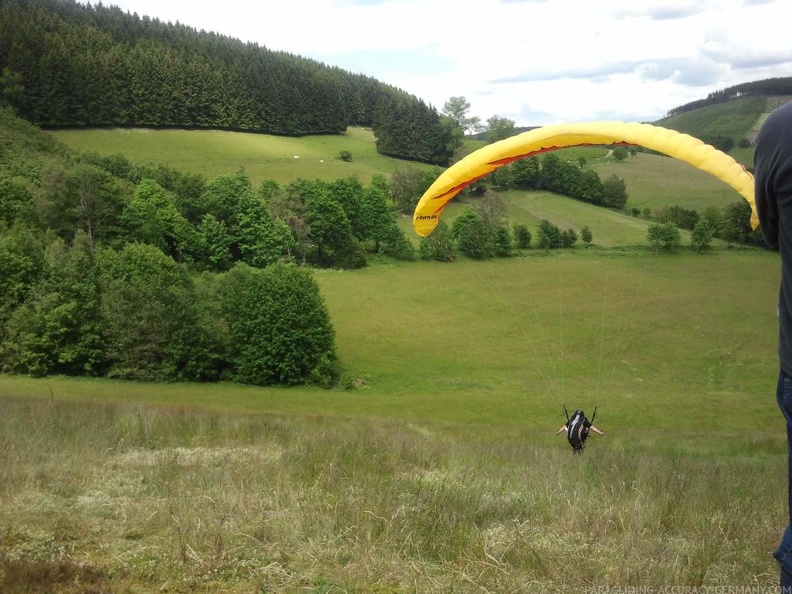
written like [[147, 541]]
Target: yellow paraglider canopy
[[548, 138]]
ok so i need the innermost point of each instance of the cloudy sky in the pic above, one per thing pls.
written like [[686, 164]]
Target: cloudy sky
[[536, 62]]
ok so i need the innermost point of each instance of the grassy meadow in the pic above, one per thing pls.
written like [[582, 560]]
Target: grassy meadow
[[654, 181], [263, 157], [439, 471]]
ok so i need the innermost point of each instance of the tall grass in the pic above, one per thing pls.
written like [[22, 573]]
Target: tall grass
[[99, 497], [441, 471]]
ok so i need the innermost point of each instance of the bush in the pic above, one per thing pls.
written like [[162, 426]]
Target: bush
[[280, 330], [472, 236], [147, 309], [663, 236], [503, 242], [549, 235], [568, 238], [522, 236], [345, 156], [439, 245], [702, 235], [614, 192], [586, 236]]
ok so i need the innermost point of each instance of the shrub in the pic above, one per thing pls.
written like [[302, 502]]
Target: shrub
[[280, 330], [549, 235], [663, 236], [522, 236], [439, 245]]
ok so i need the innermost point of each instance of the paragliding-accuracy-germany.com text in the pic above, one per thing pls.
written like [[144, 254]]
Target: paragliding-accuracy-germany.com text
[[685, 590]]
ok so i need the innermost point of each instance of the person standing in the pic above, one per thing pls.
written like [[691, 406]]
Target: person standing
[[773, 196]]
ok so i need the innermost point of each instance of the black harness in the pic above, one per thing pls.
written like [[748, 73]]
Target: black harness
[[577, 432], [578, 429]]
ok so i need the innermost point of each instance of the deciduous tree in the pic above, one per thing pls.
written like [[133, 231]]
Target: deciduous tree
[[280, 329]]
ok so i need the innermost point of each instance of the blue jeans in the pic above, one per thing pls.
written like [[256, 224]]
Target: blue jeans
[[784, 552]]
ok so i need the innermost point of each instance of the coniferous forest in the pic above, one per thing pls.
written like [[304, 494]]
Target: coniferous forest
[[70, 64]]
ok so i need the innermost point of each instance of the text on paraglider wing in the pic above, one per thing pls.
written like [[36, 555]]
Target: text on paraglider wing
[[425, 217]]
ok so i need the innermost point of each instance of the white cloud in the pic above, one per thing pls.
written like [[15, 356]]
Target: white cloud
[[534, 61]]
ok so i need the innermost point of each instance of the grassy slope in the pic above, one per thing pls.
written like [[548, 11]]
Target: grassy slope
[[609, 228], [652, 181], [213, 153], [504, 343], [734, 118], [441, 473], [656, 181]]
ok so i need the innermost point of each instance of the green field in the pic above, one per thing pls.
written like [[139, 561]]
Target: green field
[[655, 181], [440, 470], [610, 228], [506, 342], [263, 157]]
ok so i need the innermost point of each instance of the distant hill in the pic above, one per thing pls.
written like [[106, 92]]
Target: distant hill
[[768, 87], [738, 118], [64, 64], [736, 112], [517, 130]]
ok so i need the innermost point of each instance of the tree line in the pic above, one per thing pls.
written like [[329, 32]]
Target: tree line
[[552, 173], [68, 64], [482, 232], [770, 86]]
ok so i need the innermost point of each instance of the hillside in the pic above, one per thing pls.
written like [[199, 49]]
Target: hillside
[[652, 181], [157, 256], [66, 64], [735, 118], [262, 156], [739, 119]]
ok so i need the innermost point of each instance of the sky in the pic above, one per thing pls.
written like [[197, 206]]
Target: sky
[[535, 62]]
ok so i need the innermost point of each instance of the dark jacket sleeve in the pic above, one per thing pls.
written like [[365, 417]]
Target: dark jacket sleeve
[[764, 196], [766, 206]]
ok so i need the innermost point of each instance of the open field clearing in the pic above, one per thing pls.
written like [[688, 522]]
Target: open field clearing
[[263, 157], [438, 470], [656, 181]]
